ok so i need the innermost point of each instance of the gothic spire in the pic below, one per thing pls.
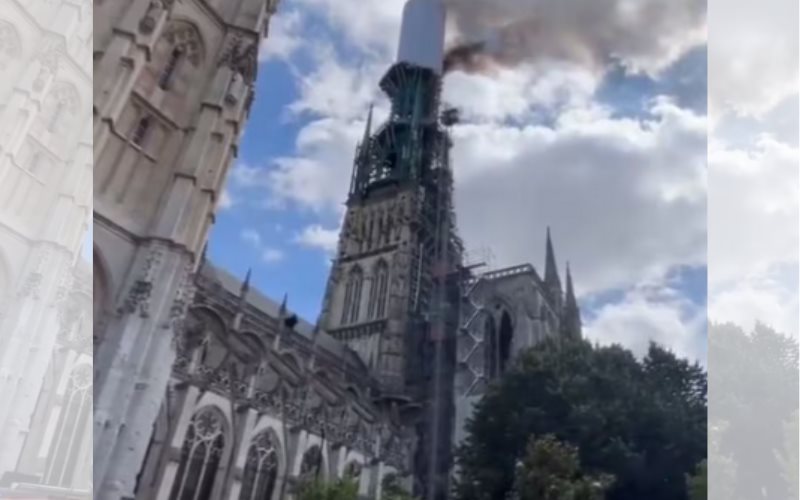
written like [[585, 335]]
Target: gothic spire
[[551, 278]]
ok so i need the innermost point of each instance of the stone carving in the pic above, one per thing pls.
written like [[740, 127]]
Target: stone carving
[[148, 22], [138, 298], [243, 61], [183, 298]]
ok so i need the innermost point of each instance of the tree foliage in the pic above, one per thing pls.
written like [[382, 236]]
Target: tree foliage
[[551, 470], [643, 422], [317, 489], [698, 483], [754, 380]]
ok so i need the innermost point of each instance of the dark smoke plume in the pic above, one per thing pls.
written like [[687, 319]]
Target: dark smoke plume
[[642, 35]]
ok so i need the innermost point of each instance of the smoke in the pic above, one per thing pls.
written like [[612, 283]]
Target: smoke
[[641, 35]]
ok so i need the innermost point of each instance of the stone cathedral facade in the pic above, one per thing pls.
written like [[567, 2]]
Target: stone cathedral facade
[[45, 285], [206, 389]]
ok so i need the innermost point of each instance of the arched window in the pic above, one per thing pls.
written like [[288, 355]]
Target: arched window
[[200, 457], [140, 132], [261, 469], [169, 68], [506, 335], [311, 466], [10, 46], [378, 291], [352, 471], [352, 296], [490, 342], [73, 425]]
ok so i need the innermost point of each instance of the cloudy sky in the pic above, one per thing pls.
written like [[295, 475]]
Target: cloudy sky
[[595, 125]]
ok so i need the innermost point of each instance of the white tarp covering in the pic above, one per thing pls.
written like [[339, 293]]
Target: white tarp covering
[[422, 34]]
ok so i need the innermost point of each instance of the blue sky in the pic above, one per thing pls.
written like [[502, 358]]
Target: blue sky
[[641, 172]]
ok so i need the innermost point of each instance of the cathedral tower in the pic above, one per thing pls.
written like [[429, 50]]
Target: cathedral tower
[[398, 250], [173, 86]]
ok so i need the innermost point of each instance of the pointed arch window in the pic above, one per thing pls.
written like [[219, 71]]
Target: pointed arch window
[[311, 466], [352, 296], [141, 131], [165, 78], [490, 342], [200, 457], [378, 291], [261, 469], [72, 427]]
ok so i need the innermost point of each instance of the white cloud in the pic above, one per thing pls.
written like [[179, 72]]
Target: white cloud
[[251, 237], [753, 57], [272, 255], [316, 236], [268, 254], [651, 315], [226, 201], [284, 38]]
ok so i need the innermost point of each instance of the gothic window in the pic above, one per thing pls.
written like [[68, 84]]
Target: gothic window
[[505, 335], [73, 425], [261, 469], [311, 466], [352, 471], [200, 457], [352, 296], [35, 163], [165, 78], [378, 291], [177, 55], [141, 131], [490, 342], [9, 44]]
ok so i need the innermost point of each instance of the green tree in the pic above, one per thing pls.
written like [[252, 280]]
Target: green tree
[[754, 381], [391, 489], [316, 489], [698, 483], [643, 422], [551, 470]]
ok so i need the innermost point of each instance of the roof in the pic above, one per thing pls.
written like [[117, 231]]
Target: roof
[[258, 300]]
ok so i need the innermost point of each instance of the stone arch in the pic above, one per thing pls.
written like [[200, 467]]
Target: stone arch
[[206, 446]]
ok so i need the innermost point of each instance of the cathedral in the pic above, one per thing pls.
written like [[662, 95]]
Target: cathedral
[[205, 388]]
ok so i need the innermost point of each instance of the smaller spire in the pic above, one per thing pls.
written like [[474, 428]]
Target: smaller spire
[[246, 283], [571, 302], [368, 129], [282, 310], [572, 316]]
